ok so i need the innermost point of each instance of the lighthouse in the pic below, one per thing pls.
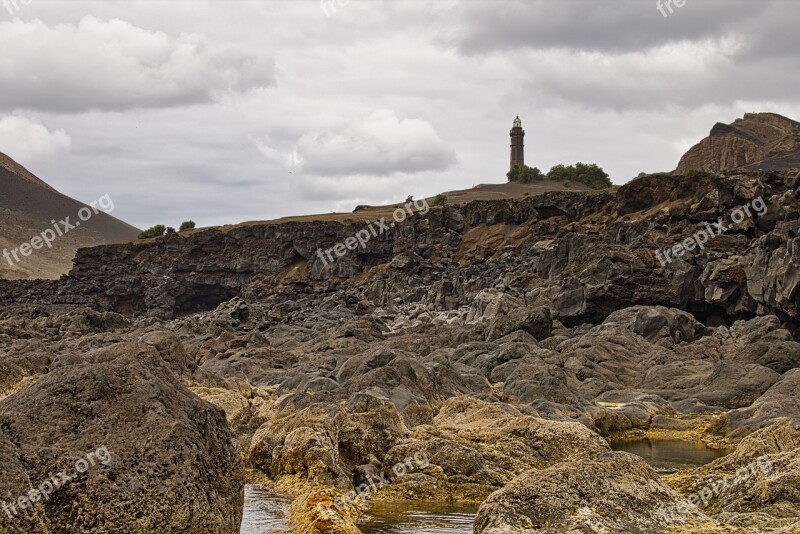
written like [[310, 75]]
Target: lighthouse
[[517, 144]]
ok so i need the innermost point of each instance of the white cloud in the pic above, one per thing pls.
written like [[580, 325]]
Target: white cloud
[[30, 143], [115, 65], [379, 144]]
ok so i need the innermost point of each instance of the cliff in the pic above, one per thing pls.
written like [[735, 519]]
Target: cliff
[[759, 141], [499, 340], [585, 255]]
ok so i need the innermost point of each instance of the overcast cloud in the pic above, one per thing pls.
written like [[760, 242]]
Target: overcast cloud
[[254, 109]]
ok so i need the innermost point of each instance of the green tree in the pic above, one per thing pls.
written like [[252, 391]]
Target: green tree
[[590, 174], [440, 200], [525, 174], [186, 225], [154, 231]]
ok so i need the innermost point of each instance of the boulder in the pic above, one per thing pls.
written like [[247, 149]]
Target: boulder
[[538, 322], [143, 452], [612, 492]]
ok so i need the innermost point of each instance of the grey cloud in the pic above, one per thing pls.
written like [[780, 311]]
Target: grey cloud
[[115, 65], [612, 26]]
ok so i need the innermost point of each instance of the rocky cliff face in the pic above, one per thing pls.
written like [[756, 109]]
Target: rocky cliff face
[[500, 340], [584, 255], [765, 141]]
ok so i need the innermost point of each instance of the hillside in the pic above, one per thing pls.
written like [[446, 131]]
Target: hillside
[[27, 208], [759, 141]]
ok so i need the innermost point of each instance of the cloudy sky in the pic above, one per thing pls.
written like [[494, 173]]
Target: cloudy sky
[[224, 111]]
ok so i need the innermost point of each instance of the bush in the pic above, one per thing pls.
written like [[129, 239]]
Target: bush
[[187, 225], [589, 174], [170, 230], [409, 198], [440, 200], [154, 231], [525, 174]]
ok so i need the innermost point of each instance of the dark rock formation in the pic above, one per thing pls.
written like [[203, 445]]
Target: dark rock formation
[[496, 337]]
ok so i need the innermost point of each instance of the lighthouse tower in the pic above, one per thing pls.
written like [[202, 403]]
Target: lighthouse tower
[[517, 144]]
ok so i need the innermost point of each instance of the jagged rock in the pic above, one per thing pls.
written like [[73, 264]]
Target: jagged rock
[[475, 442], [761, 475], [538, 322], [171, 350], [764, 140], [499, 336], [659, 325], [373, 427], [778, 401], [168, 464], [302, 443], [322, 512], [613, 492]]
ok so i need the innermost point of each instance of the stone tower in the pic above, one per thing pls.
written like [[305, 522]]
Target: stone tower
[[517, 144]]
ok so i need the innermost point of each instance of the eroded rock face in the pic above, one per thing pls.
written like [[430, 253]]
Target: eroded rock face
[[168, 462], [762, 140], [498, 339], [581, 255], [757, 485], [613, 492]]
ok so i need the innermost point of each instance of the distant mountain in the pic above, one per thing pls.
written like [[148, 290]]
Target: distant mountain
[[28, 207], [759, 141]]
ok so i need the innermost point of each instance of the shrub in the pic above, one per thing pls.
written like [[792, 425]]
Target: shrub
[[154, 231], [187, 225], [170, 230], [589, 174], [525, 174], [409, 198], [440, 200]]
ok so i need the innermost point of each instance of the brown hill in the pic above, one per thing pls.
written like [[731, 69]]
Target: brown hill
[[27, 208], [759, 141]]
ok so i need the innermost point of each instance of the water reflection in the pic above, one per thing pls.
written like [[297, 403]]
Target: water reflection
[[417, 518], [669, 455], [264, 512]]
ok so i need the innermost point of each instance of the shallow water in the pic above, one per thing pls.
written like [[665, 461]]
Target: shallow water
[[417, 518], [669, 455], [264, 512]]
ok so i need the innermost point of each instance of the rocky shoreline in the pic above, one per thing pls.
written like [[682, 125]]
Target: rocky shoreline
[[507, 341]]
